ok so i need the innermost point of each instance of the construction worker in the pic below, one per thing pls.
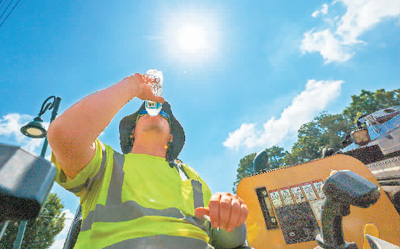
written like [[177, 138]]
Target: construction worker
[[145, 197]]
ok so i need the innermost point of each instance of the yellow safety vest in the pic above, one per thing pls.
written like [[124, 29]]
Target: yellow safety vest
[[139, 201]]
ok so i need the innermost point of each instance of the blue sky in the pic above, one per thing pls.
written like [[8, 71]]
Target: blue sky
[[240, 75]]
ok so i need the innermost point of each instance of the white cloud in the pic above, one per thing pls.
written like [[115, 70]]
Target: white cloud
[[326, 44], [323, 11], [10, 126], [246, 135], [60, 238], [311, 101], [339, 42], [363, 15], [11, 123]]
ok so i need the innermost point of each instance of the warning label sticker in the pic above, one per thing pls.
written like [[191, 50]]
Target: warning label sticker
[[275, 198], [316, 206], [286, 196], [318, 187], [309, 191], [298, 194]]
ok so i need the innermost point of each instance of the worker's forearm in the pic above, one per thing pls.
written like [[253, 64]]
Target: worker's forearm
[[72, 135], [84, 121]]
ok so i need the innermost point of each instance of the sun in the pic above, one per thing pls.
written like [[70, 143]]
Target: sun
[[192, 38]]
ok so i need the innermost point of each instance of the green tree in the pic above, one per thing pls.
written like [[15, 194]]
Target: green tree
[[41, 232], [275, 155], [325, 130], [245, 168], [368, 102]]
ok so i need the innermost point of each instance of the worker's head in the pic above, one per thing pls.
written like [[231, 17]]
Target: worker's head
[[163, 127]]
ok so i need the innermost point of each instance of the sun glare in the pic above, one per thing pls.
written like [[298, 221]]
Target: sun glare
[[191, 38]]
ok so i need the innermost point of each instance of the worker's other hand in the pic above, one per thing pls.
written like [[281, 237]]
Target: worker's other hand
[[225, 210], [141, 88]]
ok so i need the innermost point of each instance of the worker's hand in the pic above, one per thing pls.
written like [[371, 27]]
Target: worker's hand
[[141, 88], [225, 210]]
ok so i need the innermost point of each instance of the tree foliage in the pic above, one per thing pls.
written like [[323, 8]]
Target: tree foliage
[[324, 131], [368, 102], [245, 168], [275, 157], [41, 232]]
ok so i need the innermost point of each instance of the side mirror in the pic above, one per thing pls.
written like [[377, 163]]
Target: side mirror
[[25, 183], [260, 162]]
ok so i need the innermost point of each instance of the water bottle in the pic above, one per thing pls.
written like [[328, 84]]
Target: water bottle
[[153, 108]]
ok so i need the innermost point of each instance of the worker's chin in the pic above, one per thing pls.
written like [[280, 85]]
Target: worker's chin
[[154, 128]]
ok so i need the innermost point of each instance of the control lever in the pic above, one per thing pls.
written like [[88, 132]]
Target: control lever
[[342, 189], [376, 243]]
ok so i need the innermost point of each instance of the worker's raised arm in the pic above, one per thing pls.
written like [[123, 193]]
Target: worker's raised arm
[[72, 135]]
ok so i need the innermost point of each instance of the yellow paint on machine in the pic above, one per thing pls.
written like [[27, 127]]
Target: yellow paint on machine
[[382, 214]]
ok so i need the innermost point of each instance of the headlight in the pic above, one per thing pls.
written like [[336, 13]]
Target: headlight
[[360, 137]]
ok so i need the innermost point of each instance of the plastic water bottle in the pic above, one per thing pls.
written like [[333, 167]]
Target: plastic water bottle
[[153, 108]]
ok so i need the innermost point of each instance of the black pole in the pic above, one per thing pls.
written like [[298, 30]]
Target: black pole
[[54, 113], [55, 105]]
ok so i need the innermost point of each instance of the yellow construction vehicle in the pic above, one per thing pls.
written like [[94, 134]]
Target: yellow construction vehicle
[[289, 207]]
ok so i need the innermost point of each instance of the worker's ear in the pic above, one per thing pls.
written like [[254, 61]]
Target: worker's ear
[[171, 138], [132, 136]]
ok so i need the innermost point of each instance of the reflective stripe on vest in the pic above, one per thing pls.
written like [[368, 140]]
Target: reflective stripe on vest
[[116, 211], [162, 242], [197, 194], [90, 181]]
